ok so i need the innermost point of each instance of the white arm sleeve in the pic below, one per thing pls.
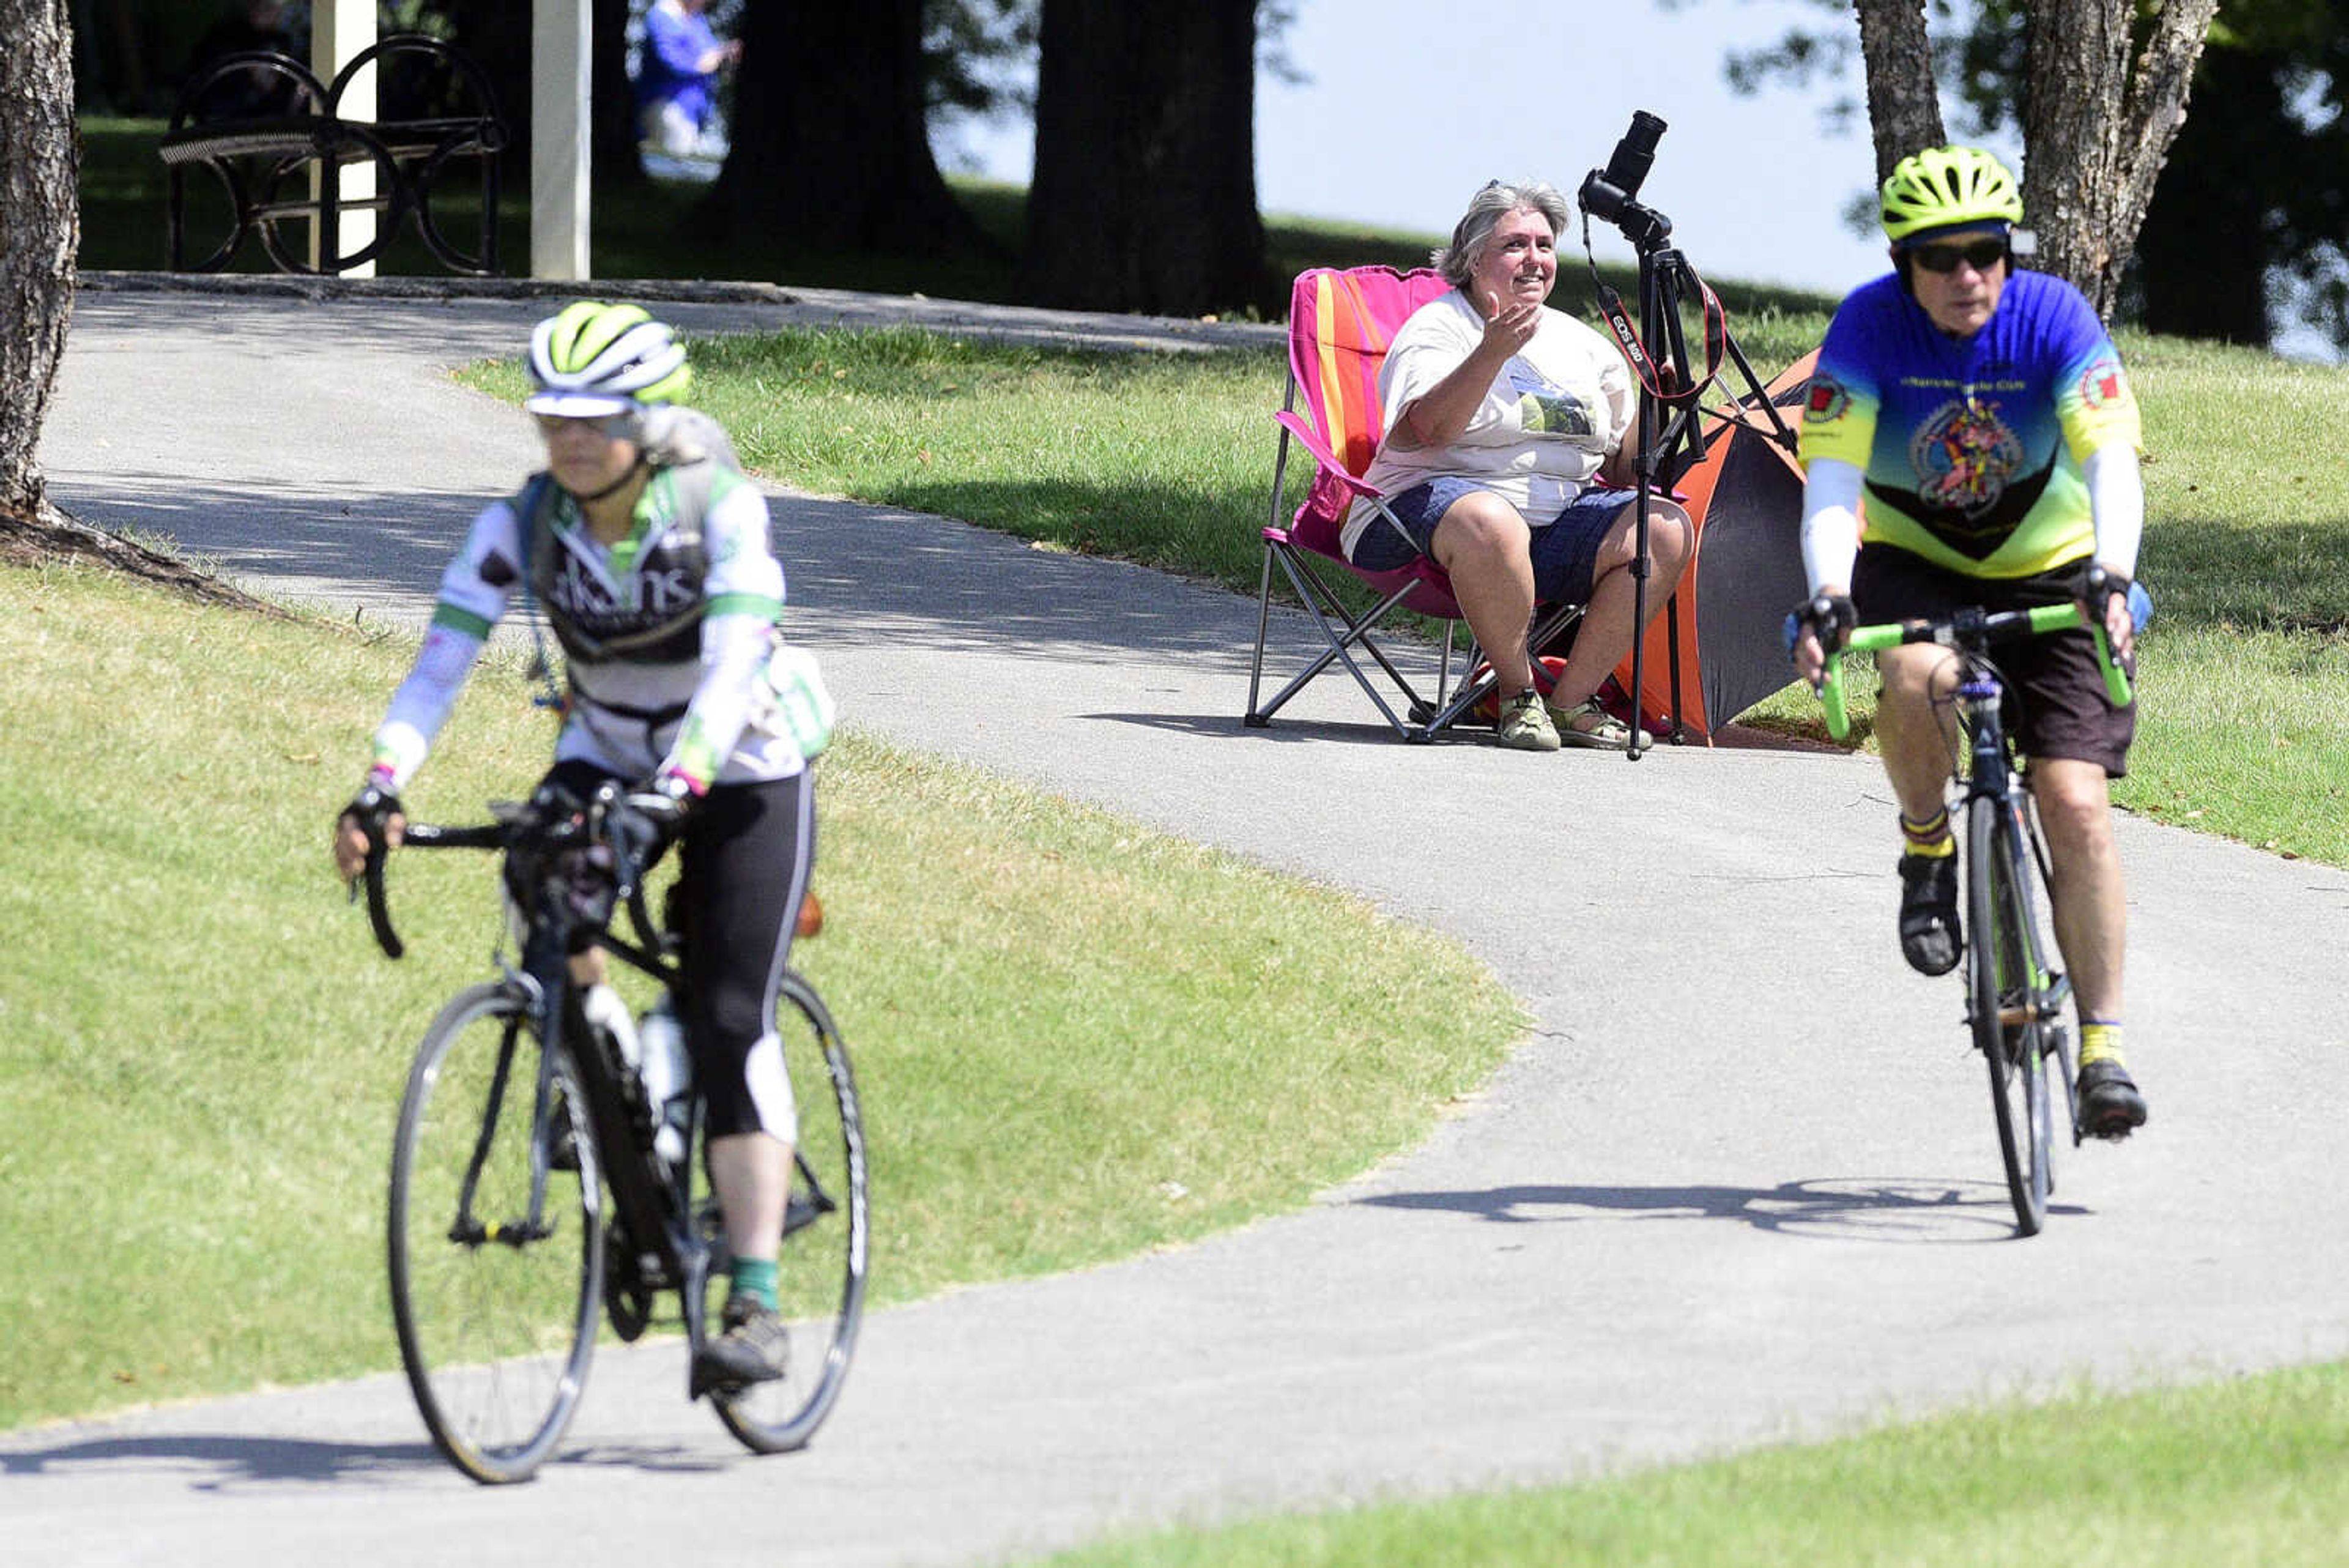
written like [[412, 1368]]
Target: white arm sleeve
[[1830, 524], [734, 653], [422, 704], [2116, 501], [469, 603]]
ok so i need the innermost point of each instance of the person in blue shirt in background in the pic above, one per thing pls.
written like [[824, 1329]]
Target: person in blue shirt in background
[[677, 79]]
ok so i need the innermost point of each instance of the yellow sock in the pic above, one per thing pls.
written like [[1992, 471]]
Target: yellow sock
[[2100, 1042], [1930, 838]]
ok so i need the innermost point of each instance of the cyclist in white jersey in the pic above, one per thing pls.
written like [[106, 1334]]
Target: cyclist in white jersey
[[648, 552]]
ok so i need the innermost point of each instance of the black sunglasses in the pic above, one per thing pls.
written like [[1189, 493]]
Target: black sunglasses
[[1978, 255]]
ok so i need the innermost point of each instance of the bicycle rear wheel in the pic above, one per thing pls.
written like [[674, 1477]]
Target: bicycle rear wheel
[[826, 1236], [2004, 980], [496, 1316]]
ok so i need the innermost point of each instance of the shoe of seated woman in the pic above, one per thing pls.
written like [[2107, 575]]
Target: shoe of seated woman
[[1525, 725], [1588, 723]]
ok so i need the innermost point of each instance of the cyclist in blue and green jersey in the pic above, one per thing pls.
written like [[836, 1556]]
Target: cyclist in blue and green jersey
[[648, 552], [1970, 438]]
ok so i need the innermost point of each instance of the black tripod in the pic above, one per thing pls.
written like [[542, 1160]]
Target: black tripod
[[1671, 389]]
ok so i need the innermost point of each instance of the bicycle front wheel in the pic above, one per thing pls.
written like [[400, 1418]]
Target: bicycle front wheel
[[2005, 982], [494, 1293], [827, 1236]]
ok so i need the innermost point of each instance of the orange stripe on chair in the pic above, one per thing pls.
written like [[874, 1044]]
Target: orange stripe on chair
[[1328, 390]]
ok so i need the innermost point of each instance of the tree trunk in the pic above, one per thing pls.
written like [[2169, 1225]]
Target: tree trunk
[[40, 232], [830, 141], [1904, 110], [1144, 191], [2097, 131]]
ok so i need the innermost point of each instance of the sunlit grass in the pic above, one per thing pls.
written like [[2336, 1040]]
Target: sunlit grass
[[1077, 1038], [2246, 1471]]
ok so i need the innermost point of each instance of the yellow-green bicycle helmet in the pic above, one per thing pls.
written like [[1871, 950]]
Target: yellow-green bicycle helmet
[[1948, 187], [592, 357]]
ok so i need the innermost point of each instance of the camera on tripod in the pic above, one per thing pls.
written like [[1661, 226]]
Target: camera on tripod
[[1610, 194]]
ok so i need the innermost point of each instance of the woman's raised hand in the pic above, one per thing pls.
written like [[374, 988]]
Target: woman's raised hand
[[1509, 327]]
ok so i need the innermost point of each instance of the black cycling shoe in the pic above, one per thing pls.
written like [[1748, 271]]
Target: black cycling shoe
[[1929, 938], [754, 1348], [2110, 1105]]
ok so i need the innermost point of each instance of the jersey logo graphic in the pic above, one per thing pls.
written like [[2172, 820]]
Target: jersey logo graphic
[[1827, 401], [661, 594], [1555, 413], [1964, 458], [2102, 387]]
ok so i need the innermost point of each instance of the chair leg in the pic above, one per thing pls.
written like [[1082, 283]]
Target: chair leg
[[1254, 719], [1330, 613]]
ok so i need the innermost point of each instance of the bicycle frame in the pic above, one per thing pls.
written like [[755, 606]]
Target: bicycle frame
[[654, 1209], [1979, 695], [1990, 776]]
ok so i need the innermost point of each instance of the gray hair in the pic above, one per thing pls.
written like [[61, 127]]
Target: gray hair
[[1457, 261]]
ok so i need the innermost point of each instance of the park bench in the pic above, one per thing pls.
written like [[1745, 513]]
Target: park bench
[[283, 166]]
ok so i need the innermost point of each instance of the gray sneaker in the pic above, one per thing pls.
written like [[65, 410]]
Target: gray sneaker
[[753, 1348], [1525, 725]]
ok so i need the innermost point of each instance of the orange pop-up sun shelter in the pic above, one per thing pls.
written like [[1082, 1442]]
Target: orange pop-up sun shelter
[[1745, 494]]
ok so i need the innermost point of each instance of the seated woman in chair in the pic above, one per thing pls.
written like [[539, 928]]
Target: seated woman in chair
[[1505, 420]]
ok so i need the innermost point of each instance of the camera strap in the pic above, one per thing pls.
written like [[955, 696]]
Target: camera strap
[[1660, 380]]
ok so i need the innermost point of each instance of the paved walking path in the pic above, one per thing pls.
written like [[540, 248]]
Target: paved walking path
[[1739, 1187]]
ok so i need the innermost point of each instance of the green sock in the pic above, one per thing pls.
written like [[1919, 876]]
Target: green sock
[[755, 1278]]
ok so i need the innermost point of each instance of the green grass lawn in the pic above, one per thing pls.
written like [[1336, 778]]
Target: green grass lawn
[[2245, 1473], [1077, 1038]]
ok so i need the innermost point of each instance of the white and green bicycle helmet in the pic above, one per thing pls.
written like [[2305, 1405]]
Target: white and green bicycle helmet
[[594, 359], [1947, 188]]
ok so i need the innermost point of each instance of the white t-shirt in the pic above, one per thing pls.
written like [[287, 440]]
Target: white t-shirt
[[1558, 408]]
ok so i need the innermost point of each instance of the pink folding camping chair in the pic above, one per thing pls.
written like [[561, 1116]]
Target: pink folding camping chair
[[1340, 322]]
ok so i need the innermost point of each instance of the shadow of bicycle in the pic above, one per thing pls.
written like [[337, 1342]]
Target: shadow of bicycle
[[217, 1462], [1910, 1210], [220, 1462]]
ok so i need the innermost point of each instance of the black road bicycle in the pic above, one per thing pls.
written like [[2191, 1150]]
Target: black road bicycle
[[527, 1197], [2014, 1000]]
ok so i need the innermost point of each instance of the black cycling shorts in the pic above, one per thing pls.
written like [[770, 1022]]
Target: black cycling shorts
[[2055, 688]]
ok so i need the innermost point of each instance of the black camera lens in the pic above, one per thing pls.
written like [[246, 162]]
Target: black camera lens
[[1635, 154]]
